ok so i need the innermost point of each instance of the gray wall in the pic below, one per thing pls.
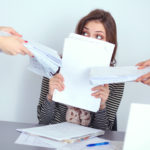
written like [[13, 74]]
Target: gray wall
[[49, 22]]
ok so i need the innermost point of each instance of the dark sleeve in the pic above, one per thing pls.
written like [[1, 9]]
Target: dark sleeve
[[45, 108], [104, 119]]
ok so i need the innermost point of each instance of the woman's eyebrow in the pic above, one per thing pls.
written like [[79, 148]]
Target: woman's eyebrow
[[95, 31], [100, 31], [86, 28]]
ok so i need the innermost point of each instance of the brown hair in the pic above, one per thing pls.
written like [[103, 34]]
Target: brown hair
[[109, 24]]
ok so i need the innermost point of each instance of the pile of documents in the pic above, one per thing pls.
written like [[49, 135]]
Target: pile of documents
[[57, 135], [105, 75], [45, 62]]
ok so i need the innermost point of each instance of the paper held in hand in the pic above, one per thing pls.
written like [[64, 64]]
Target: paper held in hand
[[45, 62], [106, 75], [79, 55]]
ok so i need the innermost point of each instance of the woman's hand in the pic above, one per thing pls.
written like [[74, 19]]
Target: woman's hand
[[101, 91], [13, 45], [56, 82], [146, 77], [10, 30]]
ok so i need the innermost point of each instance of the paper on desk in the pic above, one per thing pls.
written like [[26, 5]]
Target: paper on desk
[[113, 145], [45, 62], [64, 131], [79, 55], [31, 140], [27, 139], [104, 75]]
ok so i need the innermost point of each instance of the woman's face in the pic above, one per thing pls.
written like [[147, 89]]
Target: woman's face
[[94, 29]]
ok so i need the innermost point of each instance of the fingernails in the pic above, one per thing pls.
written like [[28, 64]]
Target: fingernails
[[32, 56], [26, 41]]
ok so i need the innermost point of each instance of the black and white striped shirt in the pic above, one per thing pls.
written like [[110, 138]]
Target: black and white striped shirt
[[53, 112]]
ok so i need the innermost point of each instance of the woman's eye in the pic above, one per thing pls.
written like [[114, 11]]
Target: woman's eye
[[99, 37], [85, 34]]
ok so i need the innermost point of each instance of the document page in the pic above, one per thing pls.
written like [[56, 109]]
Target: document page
[[79, 55], [27, 139], [105, 75], [45, 62]]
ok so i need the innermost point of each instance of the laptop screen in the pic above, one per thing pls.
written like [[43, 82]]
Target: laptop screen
[[138, 129]]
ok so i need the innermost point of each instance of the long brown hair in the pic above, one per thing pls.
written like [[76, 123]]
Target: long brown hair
[[109, 24]]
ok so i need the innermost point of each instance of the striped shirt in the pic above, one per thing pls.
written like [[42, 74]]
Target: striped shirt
[[50, 112]]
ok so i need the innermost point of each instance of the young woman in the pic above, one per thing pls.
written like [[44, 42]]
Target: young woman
[[100, 25]]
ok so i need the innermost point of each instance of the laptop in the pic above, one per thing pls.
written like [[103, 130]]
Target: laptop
[[138, 129]]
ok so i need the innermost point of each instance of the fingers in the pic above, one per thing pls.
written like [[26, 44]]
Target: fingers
[[147, 81], [56, 82], [23, 50], [60, 77], [10, 30], [100, 87], [13, 32], [102, 95], [143, 64], [20, 40], [101, 92], [144, 77], [139, 64]]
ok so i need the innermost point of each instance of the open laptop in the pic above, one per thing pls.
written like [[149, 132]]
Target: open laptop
[[138, 129]]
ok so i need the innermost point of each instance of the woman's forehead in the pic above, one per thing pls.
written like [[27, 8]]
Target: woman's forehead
[[95, 25]]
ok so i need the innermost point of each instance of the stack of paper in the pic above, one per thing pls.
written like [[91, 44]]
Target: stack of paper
[[80, 54], [45, 62], [27, 139], [105, 75], [63, 132], [58, 134]]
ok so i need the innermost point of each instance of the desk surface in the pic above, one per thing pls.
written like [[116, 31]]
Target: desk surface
[[8, 136]]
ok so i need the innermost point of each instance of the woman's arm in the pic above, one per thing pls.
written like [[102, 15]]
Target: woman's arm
[[104, 119], [45, 109]]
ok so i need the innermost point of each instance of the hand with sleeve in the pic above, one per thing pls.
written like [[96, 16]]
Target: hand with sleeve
[[101, 91], [56, 82], [146, 77]]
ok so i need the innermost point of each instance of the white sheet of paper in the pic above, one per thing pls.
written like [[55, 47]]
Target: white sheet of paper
[[45, 62], [105, 75], [79, 55], [31, 140], [62, 131], [138, 129], [27, 139]]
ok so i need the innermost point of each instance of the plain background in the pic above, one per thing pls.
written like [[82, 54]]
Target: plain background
[[49, 22]]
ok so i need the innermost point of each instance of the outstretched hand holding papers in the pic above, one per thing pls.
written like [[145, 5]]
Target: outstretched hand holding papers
[[45, 62]]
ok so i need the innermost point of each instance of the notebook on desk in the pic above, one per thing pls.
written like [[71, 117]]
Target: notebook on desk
[[138, 129], [63, 132]]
